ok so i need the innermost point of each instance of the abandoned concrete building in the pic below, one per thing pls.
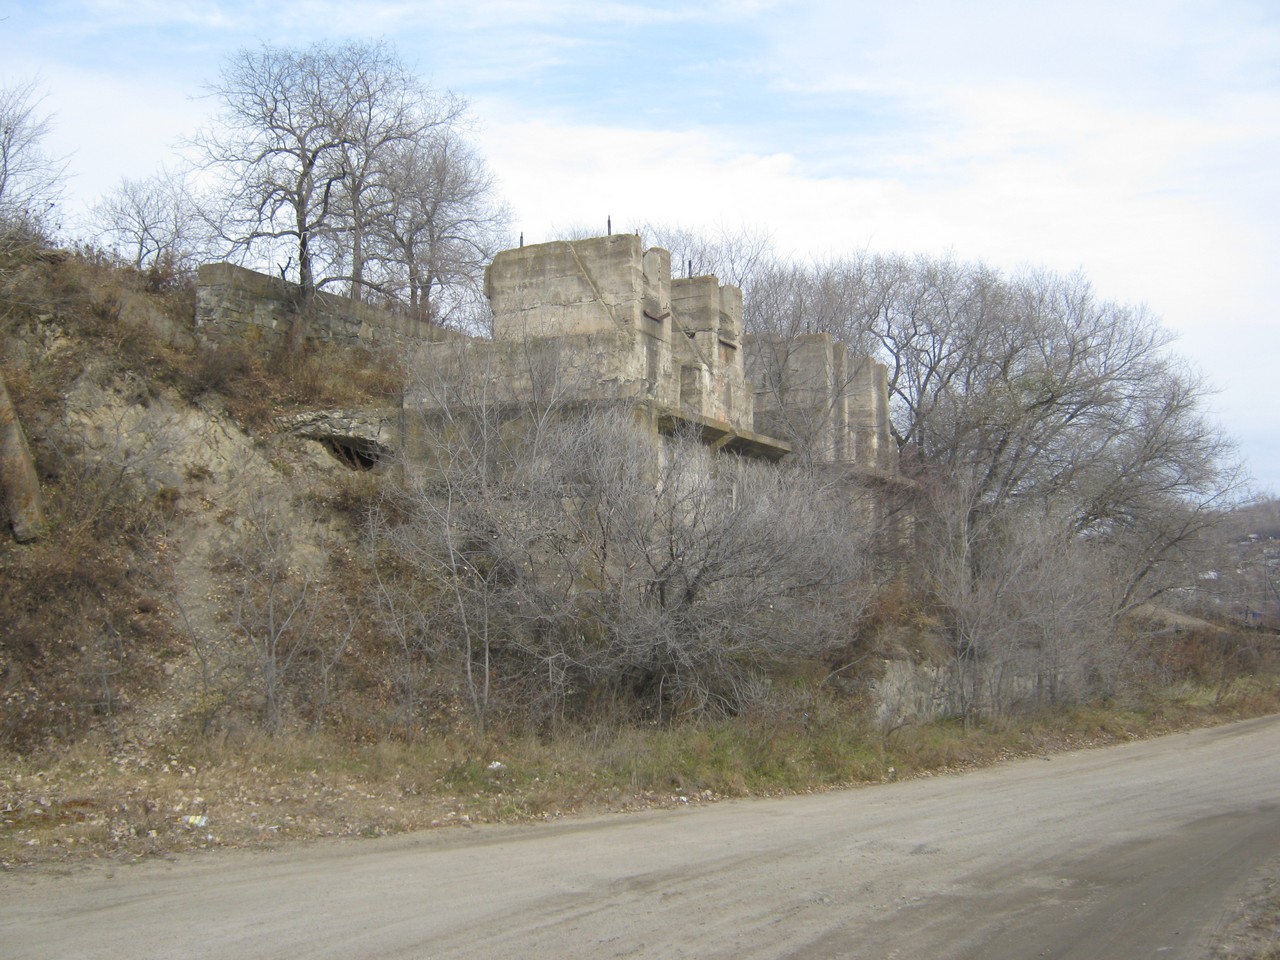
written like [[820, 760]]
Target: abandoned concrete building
[[603, 320]]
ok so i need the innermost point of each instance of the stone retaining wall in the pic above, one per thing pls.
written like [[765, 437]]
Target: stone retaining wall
[[234, 301]]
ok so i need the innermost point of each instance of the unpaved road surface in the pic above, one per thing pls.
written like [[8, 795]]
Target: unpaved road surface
[[1128, 852]]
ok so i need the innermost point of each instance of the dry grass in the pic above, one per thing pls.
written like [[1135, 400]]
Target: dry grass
[[101, 799]]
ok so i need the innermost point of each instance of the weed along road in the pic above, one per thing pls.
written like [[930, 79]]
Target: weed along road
[[1133, 851]]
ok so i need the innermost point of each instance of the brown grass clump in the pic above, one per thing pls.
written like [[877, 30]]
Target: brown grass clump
[[83, 635], [111, 797]]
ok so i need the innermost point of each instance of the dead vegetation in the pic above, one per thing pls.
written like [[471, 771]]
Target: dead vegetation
[[110, 798], [211, 646]]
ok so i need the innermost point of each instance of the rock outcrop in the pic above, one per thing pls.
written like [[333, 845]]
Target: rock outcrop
[[18, 480]]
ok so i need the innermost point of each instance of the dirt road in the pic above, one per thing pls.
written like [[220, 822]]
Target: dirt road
[[1127, 852]]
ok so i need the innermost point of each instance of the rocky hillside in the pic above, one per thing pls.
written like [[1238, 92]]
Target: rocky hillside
[[203, 565], [177, 508]]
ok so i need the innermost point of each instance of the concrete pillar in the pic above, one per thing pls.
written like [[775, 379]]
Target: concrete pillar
[[869, 416], [567, 287]]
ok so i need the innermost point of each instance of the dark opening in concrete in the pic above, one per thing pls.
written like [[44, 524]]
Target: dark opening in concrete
[[354, 453]]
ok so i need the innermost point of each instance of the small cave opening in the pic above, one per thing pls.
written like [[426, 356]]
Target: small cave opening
[[355, 454]]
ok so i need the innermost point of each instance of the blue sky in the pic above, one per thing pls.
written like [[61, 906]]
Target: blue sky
[[1138, 142]]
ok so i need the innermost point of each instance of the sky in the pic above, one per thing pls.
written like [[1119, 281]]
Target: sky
[[1136, 142]]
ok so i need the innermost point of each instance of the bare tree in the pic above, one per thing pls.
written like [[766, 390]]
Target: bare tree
[[1022, 390], [1066, 471], [452, 544], [734, 255], [1025, 604], [709, 569], [440, 223], [559, 555], [296, 129], [30, 179], [390, 113], [275, 609], [152, 221]]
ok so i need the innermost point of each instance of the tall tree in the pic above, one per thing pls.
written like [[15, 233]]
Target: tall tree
[[390, 114], [1066, 470], [151, 220], [296, 133], [30, 179], [440, 223], [735, 255]]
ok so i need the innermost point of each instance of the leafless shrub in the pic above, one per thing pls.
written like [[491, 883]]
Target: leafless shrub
[[30, 179], [563, 557], [274, 614]]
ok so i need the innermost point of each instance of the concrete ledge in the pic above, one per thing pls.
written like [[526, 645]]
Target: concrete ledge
[[720, 435]]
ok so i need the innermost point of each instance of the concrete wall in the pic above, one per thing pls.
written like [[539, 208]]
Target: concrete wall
[[622, 327], [833, 407], [602, 320], [567, 287], [232, 301]]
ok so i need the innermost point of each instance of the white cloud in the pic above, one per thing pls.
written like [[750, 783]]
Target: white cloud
[[1097, 189], [1136, 141]]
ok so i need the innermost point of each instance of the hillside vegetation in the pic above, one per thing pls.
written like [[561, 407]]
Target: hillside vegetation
[[225, 634], [217, 630]]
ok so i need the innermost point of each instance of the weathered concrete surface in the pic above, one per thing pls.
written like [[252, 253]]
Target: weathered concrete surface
[[567, 287], [832, 406], [234, 302], [620, 327], [18, 480], [1133, 851]]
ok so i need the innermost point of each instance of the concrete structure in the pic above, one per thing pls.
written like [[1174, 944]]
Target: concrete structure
[[830, 405], [602, 320], [624, 328], [234, 302]]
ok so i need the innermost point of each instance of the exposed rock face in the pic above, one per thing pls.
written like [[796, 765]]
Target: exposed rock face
[[360, 439], [18, 479]]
